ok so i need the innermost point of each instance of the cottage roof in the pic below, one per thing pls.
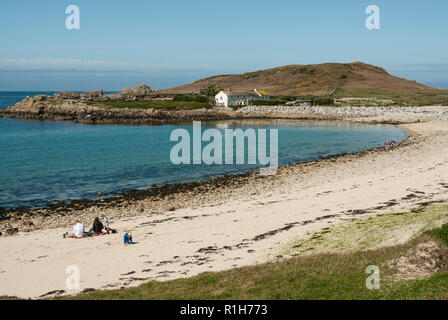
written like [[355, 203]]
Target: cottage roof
[[263, 92]]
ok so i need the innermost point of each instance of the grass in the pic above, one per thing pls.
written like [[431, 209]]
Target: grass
[[439, 233], [417, 97], [322, 276], [337, 275], [167, 104], [371, 232]]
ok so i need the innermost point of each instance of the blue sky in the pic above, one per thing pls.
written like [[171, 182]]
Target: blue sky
[[172, 42]]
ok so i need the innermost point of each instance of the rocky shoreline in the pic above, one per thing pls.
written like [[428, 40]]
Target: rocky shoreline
[[77, 108], [49, 109], [172, 197], [164, 198]]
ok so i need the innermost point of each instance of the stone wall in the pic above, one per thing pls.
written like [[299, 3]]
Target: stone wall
[[393, 113]]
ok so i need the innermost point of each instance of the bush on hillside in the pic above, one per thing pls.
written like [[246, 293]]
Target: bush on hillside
[[266, 102], [210, 91], [192, 98]]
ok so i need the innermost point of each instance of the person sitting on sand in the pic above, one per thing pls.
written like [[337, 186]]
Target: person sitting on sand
[[97, 227], [78, 230], [390, 144], [107, 227], [127, 238]]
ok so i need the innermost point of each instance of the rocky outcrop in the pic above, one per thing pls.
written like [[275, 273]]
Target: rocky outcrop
[[43, 107], [49, 108], [139, 91], [86, 96]]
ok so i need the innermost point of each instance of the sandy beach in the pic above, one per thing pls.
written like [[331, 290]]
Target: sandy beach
[[190, 232]]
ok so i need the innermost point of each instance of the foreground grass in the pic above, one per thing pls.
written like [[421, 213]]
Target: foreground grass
[[167, 104], [317, 276], [371, 232], [335, 276]]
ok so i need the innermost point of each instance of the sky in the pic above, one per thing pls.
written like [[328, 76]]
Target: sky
[[173, 42]]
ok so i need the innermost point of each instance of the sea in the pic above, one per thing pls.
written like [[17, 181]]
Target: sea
[[48, 162]]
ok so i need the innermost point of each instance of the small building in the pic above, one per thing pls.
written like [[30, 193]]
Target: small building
[[262, 95], [229, 98]]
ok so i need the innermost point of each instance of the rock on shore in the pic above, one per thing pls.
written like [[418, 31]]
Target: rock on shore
[[77, 107], [44, 107]]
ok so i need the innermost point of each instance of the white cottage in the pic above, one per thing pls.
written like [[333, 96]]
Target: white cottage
[[230, 98]]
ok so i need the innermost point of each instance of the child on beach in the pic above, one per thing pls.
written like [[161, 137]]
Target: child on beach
[[127, 238]]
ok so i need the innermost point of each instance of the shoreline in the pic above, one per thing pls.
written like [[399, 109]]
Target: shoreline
[[48, 108], [156, 194], [244, 223], [223, 223]]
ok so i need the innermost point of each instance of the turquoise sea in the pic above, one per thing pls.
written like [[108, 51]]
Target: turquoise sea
[[44, 162]]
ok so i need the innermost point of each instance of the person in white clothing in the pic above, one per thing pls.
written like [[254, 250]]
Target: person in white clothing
[[78, 230]]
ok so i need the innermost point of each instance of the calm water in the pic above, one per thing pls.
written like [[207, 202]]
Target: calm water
[[47, 162]]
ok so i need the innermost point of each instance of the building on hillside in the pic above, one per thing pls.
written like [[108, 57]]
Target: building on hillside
[[229, 98], [262, 95]]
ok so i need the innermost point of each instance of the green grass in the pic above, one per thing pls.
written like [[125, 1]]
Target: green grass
[[417, 97], [440, 233], [337, 275], [167, 104], [371, 232], [323, 276]]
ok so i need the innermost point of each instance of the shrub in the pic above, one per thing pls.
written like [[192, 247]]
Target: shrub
[[323, 101], [320, 101], [306, 71], [210, 91], [287, 98], [440, 233], [266, 102], [192, 98]]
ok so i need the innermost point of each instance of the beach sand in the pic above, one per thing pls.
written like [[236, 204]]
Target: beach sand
[[248, 225]]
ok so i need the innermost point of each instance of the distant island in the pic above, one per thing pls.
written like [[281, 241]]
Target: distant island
[[288, 92], [337, 80]]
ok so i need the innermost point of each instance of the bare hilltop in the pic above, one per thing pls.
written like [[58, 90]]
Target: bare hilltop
[[355, 79]]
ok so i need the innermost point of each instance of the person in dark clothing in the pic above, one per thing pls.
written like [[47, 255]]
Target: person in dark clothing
[[97, 227]]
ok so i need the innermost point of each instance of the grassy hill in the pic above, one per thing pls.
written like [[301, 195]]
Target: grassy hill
[[355, 79]]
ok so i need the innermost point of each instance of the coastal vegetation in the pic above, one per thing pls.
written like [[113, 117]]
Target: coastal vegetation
[[210, 90], [415, 97], [285, 100], [339, 274], [184, 103], [336, 80]]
